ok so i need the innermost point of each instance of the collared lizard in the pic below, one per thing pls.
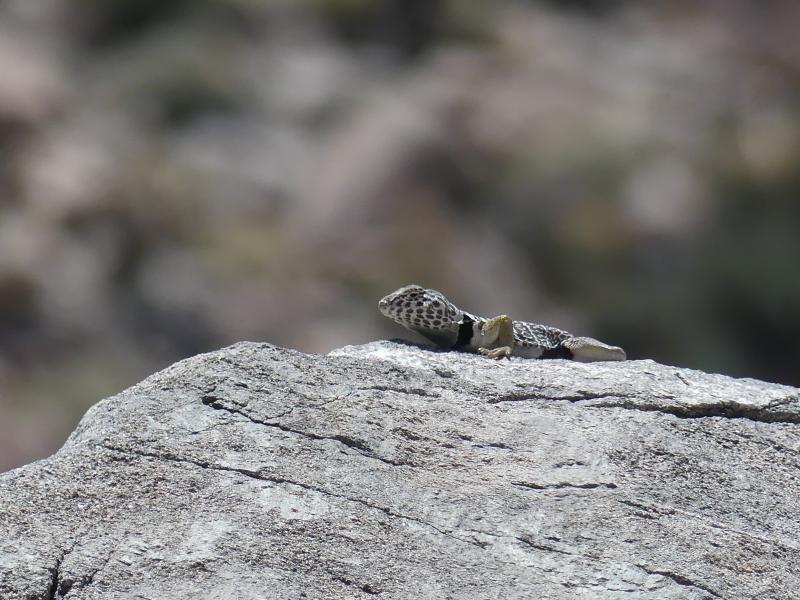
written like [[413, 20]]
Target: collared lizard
[[432, 315]]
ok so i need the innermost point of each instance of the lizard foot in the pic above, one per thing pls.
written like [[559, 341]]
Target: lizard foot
[[496, 353]]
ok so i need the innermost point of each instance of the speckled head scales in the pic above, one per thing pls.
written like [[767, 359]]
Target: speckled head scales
[[415, 306]]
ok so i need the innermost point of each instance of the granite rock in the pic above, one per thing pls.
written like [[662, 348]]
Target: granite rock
[[391, 470]]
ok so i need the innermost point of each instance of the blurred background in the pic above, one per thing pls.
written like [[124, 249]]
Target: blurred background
[[177, 176]]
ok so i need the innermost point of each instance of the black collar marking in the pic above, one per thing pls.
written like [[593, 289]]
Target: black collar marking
[[464, 332], [557, 352]]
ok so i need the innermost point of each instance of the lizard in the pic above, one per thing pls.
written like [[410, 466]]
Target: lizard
[[429, 313]]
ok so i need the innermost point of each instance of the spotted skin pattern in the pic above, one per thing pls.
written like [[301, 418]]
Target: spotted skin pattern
[[414, 305], [429, 313]]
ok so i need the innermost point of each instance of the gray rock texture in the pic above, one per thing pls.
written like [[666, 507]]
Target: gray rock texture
[[394, 471]]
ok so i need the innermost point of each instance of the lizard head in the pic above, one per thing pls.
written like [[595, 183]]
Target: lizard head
[[418, 308]]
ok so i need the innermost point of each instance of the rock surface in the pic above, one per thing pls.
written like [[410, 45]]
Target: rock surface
[[392, 471]]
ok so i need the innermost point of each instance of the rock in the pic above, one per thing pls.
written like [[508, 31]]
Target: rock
[[393, 471]]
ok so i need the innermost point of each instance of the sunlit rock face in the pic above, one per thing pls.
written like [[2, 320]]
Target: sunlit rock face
[[400, 471]]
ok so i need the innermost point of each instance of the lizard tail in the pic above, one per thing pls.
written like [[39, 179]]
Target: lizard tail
[[586, 349]]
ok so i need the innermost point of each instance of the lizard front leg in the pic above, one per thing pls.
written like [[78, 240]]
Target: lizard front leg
[[497, 331]]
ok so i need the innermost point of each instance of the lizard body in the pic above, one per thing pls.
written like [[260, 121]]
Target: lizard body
[[432, 315]]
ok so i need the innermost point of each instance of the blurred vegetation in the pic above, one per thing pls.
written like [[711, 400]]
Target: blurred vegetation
[[178, 176]]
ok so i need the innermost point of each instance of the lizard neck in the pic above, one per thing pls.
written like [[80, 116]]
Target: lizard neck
[[470, 332], [465, 332]]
